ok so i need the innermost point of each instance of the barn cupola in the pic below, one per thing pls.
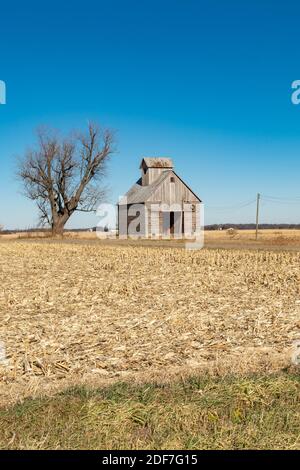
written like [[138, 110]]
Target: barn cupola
[[152, 167]]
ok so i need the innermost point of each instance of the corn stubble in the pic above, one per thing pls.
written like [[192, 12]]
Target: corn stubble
[[88, 314]]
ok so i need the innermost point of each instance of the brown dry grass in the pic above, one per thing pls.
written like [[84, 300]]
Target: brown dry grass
[[271, 236], [73, 314], [276, 240], [265, 235]]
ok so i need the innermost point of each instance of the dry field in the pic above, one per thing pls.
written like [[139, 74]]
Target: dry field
[[91, 314], [267, 239], [278, 240]]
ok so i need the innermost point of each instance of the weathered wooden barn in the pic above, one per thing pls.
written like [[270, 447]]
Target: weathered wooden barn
[[159, 204]]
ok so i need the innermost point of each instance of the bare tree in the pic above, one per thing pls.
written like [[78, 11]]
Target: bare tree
[[62, 175]]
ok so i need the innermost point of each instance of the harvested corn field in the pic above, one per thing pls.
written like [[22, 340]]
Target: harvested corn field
[[90, 314]]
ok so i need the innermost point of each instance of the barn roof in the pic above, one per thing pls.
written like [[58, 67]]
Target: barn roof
[[157, 162], [139, 194]]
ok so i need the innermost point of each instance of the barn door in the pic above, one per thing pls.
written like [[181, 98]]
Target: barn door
[[172, 222]]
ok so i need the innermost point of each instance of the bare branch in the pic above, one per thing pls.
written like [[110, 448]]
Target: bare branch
[[63, 175]]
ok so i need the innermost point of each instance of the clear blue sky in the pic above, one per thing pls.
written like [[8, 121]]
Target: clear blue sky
[[205, 82]]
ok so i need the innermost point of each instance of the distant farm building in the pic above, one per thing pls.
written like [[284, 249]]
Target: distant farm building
[[159, 204]]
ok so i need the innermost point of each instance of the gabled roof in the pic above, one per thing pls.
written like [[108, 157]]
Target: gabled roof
[[157, 162], [138, 193]]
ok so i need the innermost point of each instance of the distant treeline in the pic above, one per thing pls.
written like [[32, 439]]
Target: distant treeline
[[252, 226], [45, 230], [207, 227]]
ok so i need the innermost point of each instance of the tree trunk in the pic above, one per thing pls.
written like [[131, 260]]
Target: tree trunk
[[58, 224]]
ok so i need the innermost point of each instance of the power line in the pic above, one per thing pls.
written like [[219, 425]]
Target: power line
[[281, 202], [263, 197], [236, 206], [260, 200], [287, 200]]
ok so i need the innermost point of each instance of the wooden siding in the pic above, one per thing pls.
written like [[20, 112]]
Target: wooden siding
[[156, 222], [164, 197], [173, 193], [151, 175], [152, 222]]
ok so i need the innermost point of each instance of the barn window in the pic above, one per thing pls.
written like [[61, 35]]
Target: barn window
[[172, 179]]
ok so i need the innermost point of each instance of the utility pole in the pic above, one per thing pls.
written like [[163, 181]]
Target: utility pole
[[257, 215]]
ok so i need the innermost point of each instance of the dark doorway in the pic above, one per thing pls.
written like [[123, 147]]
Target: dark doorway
[[172, 222]]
